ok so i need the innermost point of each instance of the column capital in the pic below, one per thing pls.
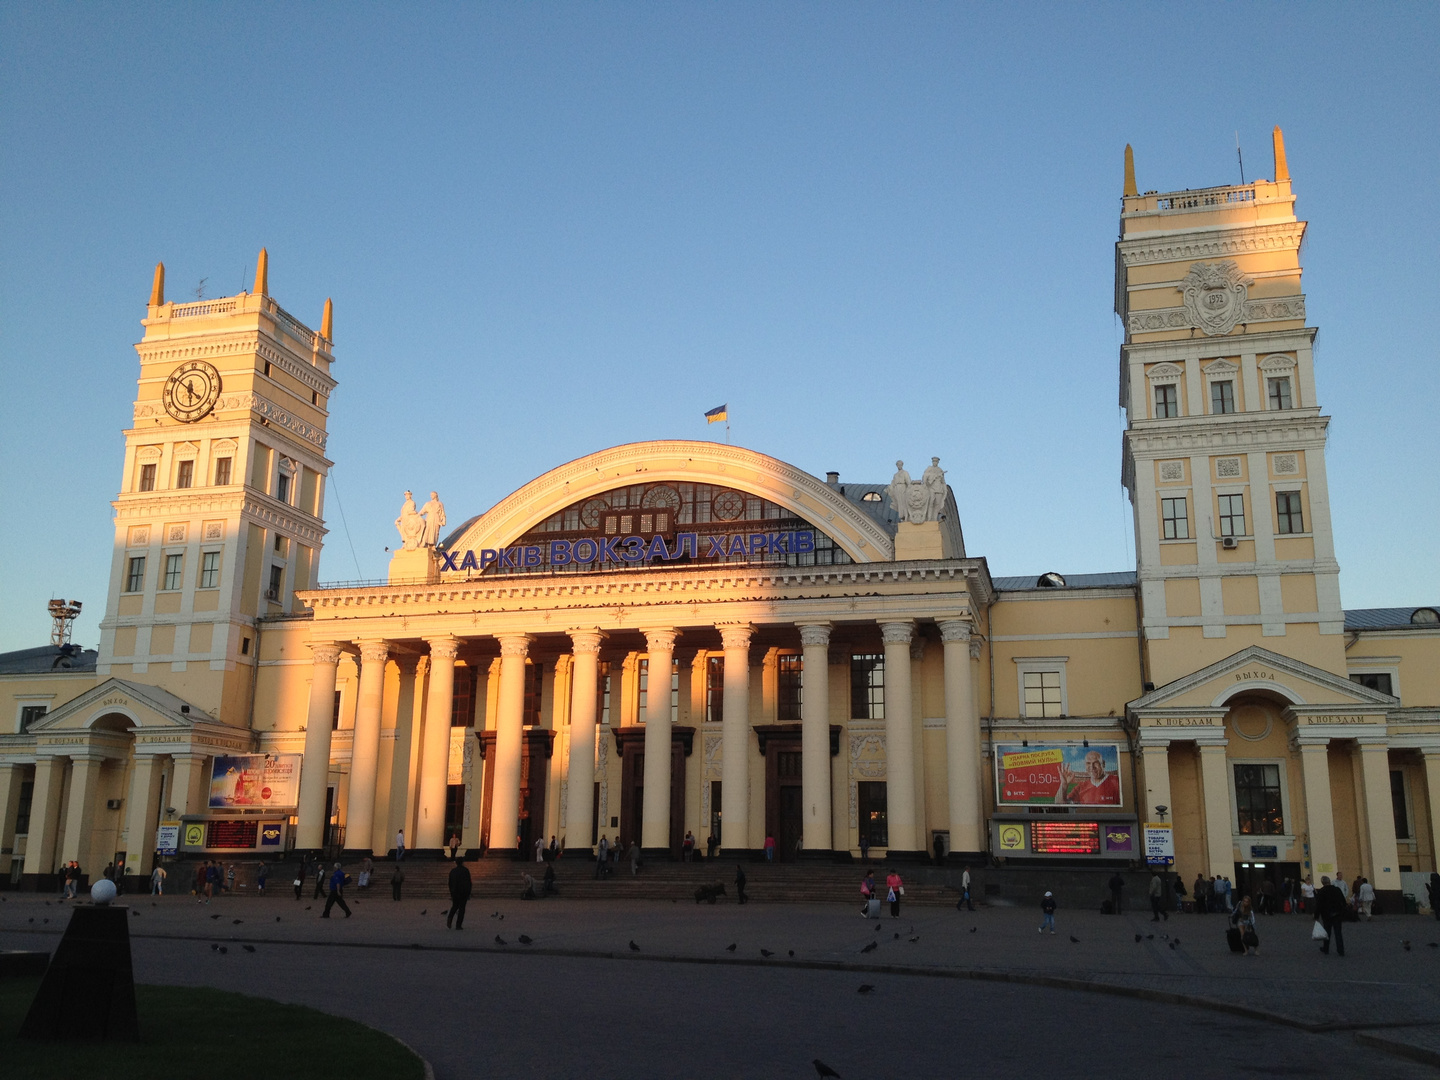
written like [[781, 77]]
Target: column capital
[[976, 644], [444, 647], [515, 644], [1218, 743], [955, 629], [917, 647], [1374, 743], [587, 641], [816, 633], [374, 651], [735, 635], [660, 639], [1310, 742], [899, 632], [191, 756], [325, 652], [1431, 752]]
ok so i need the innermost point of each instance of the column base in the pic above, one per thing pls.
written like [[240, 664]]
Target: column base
[[504, 853], [356, 854], [895, 855], [966, 858]]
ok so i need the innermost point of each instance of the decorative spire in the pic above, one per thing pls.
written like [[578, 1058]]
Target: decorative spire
[[157, 290], [1282, 167], [262, 274], [327, 321], [1130, 188]]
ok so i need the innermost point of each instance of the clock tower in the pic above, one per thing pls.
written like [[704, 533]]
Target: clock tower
[[219, 519]]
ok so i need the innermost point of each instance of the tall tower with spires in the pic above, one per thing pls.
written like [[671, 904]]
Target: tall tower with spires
[[1224, 448], [220, 515]]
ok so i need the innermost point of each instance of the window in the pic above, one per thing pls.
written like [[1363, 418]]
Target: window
[[602, 692], [185, 474], [335, 713], [462, 699], [1280, 393], [29, 714], [1288, 516], [222, 471], [22, 817], [135, 575], [1222, 396], [1177, 522], [1397, 801], [282, 492], [277, 582], [867, 686], [1167, 402], [147, 477], [174, 572], [210, 570], [534, 689], [791, 670], [279, 545], [1232, 515], [1374, 680], [715, 690], [454, 810], [1257, 800], [1042, 693], [871, 803]]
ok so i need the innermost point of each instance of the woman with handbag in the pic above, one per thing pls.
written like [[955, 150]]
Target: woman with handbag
[[1243, 920], [895, 889]]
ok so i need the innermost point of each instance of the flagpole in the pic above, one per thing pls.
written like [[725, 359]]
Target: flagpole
[[727, 428]]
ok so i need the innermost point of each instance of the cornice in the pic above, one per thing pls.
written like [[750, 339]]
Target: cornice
[[246, 343], [1206, 347], [180, 501], [1235, 240], [1162, 438], [277, 515]]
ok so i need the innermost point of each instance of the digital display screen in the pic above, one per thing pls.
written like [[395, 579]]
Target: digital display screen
[[1065, 837], [231, 834]]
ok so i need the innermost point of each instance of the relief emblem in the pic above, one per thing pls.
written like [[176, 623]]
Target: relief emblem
[[1215, 296]]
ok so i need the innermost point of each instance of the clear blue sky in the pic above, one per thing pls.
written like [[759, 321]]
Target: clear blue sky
[[876, 231]]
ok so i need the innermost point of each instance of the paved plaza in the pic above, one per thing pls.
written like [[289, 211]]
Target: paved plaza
[[978, 993]]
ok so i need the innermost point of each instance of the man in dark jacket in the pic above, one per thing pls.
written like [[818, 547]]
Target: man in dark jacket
[[460, 886], [337, 889], [1116, 884], [1330, 913]]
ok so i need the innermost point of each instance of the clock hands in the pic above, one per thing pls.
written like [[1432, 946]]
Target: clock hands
[[190, 390]]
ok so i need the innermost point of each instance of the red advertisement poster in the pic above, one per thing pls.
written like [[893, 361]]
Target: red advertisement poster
[[1058, 775]]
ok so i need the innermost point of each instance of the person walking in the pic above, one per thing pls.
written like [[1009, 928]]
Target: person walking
[[769, 849], [1200, 894], [1434, 890], [1342, 885], [1307, 894], [864, 846], [1365, 894], [740, 896], [894, 890], [454, 844], [687, 847], [230, 878], [157, 881], [600, 868], [965, 896], [867, 893], [299, 881], [260, 875], [711, 843], [634, 858], [1243, 920], [460, 886], [1179, 893], [212, 881], [1330, 914], [1117, 883], [397, 880], [400, 845], [337, 887], [1047, 910], [1157, 899], [319, 879], [1267, 897]]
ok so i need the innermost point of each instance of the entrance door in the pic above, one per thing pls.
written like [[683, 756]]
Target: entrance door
[[1250, 880], [536, 746], [792, 822]]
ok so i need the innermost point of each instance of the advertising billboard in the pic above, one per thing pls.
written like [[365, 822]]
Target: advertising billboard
[[1058, 775], [254, 781]]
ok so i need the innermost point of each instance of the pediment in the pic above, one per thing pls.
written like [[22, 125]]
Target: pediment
[[1255, 670], [142, 705]]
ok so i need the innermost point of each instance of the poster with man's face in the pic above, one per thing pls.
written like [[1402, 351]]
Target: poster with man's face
[[1058, 775]]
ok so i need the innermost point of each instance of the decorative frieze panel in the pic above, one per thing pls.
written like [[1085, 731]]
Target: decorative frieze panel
[[254, 403], [1253, 311], [1280, 237]]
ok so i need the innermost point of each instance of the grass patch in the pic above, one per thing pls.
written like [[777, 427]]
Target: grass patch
[[235, 1037]]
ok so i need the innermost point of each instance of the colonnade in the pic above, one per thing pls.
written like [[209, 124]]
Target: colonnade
[[903, 775]]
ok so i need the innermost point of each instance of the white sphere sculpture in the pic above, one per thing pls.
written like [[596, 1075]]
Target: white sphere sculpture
[[103, 891]]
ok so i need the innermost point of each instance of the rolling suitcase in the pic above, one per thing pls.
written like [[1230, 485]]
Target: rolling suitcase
[[872, 908], [1237, 943]]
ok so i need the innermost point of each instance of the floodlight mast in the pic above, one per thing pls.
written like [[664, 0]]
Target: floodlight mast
[[63, 613]]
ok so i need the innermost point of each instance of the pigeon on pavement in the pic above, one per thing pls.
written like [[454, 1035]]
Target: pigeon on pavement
[[223, 949], [1074, 940], [731, 946], [766, 953], [499, 940], [973, 929], [1139, 938], [634, 947], [865, 988], [248, 948], [525, 940], [871, 947], [915, 939]]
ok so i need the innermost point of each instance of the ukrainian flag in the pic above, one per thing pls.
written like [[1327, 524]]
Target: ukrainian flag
[[717, 414]]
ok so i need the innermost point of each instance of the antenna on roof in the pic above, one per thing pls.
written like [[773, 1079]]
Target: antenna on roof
[[1240, 158]]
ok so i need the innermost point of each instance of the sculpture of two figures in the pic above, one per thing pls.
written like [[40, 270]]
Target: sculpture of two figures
[[420, 528], [918, 501]]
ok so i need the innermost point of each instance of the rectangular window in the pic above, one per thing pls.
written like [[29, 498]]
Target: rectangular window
[[282, 492], [454, 810], [185, 474], [174, 572], [1222, 396], [644, 689], [1397, 801], [335, 713], [27, 798], [29, 714], [534, 688], [867, 686], [1042, 693], [462, 699], [210, 570], [791, 669], [871, 802], [1288, 517], [222, 471], [602, 692], [1374, 680], [1280, 393], [135, 575], [1177, 522], [1257, 800], [715, 690], [147, 477], [277, 582], [1232, 515], [1167, 402]]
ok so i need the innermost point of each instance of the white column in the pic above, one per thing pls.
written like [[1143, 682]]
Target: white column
[[815, 736], [585, 645], [45, 815], [365, 751], [315, 768], [655, 824], [1320, 817], [402, 765], [735, 739], [435, 749], [1384, 871], [1155, 759], [505, 791], [1432, 787], [962, 741], [899, 737], [142, 814], [1219, 839], [10, 779], [188, 778], [80, 813]]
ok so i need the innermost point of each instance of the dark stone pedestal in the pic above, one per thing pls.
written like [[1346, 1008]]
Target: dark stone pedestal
[[22, 964], [911, 857], [88, 993]]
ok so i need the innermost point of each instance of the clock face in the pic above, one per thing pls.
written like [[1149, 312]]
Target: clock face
[[191, 391]]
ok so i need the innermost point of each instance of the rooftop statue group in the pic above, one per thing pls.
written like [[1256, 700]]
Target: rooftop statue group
[[420, 528], [918, 501]]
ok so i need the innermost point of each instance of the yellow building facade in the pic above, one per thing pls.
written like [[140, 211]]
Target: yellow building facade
[[671, 639]]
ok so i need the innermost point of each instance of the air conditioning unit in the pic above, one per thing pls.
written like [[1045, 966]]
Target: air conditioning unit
[[1229, 543], [112, 804]]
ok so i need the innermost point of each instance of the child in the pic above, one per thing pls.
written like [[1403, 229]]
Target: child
[[1047, 906]]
